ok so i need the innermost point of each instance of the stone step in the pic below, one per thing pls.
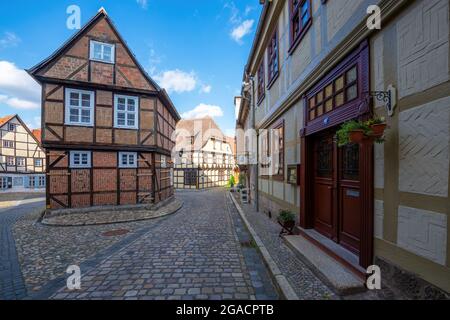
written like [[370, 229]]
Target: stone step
[[328, 269]]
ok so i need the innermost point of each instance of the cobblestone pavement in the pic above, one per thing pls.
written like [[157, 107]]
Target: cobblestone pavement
[[12, 285], [45, 252], [193, 254]]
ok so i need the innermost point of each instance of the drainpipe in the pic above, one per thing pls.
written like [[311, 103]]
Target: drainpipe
[[255, 179]]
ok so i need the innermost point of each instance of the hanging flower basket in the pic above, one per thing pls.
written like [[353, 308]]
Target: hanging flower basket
[[356, 136], [354, 131]]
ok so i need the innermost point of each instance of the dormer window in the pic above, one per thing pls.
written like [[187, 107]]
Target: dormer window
[[103, 52]]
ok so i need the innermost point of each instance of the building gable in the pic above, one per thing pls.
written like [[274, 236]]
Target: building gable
[[72, 60]]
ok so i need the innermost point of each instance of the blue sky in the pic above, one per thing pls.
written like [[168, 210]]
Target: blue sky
[[196, 49]]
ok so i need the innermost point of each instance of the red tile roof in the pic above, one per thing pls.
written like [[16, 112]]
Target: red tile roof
[[5, 119], [37, 133]]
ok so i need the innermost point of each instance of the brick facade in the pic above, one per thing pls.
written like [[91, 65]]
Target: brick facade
[[102, 182]]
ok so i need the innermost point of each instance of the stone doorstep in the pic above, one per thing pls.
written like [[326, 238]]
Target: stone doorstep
[[329, 270]]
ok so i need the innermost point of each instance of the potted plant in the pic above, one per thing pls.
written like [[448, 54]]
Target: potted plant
[[352, 132], [377, 126], [287, 220]]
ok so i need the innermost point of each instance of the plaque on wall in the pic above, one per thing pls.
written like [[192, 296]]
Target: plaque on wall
[[292, 174]]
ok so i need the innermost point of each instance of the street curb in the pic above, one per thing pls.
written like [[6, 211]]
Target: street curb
[[280, 280]]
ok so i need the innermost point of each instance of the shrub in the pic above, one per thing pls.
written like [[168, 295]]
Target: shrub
[[286, 216]]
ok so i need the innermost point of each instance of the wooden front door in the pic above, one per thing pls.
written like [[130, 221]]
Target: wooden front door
[[336, 191]]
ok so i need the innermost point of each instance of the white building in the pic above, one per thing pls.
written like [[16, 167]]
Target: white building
[[22, 160]]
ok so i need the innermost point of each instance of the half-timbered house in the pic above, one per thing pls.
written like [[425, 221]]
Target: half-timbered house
[[106, 125], [315, 65], [22, 160], [204, 156]]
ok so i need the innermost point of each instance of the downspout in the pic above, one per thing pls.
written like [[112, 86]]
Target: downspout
[[255, 180]]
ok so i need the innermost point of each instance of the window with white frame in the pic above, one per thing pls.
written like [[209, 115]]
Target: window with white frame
[[10, 161], [11, 127], [3, 182], [79, 107], [21, 162], [8, 144], [127, 160], [38, 162], [126, 112], [31, 182], [41, 182], [103, 52], [80, 159]]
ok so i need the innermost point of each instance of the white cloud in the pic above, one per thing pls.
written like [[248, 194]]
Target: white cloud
[[35, 123], [203, 110], [177, 81], [9, 40], [206, 89], [17, 88], [143, 3], [242, 30]]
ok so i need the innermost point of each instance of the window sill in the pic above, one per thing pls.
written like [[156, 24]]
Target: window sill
[[88, 125], [260, 100], [102, 61], [300, 37], [126, 128], [273, 80]]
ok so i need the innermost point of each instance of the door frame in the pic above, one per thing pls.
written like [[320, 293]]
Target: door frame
[[358, 109]]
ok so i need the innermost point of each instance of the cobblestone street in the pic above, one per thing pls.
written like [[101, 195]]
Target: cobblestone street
[[201, 252]]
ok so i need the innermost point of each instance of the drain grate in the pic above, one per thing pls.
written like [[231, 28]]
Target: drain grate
[[114, 233]]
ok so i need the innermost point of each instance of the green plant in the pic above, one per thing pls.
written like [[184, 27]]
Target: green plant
[[232, 181], [286, 216], [346, 128], [242, 179], [375, 120]]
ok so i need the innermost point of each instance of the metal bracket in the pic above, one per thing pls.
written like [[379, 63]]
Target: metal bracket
[[388, 97]]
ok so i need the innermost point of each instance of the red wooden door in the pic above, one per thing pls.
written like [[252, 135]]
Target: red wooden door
[[323, 184], [336, 191], [349, 193]]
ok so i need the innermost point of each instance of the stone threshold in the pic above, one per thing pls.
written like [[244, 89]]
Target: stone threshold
[[111, 215], [338, 277]]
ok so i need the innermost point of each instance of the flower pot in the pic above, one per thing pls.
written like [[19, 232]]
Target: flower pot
[[378, 129], [356, 136]]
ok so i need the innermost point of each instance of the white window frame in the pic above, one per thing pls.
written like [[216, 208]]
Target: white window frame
[[20, 159], [41, 182], [103, 45], [117, 111], [13, 161], [80, 165], [12, 127], [68, 107], [127, 164], [38, 164], [32, 179], [9, 144]]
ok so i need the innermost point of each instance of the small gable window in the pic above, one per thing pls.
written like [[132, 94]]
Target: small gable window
[[11, 127], [103, 52]]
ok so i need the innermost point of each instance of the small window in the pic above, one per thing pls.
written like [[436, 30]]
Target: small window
[[127, 160], [126, 112], [10, 161], [103, 52], [11, 127], [38, 162], [261, 82], [273, 58], [31, 182], [300, 17], [80, 159], [41, 182], [8, 144], [79, 107], [21, 162]]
